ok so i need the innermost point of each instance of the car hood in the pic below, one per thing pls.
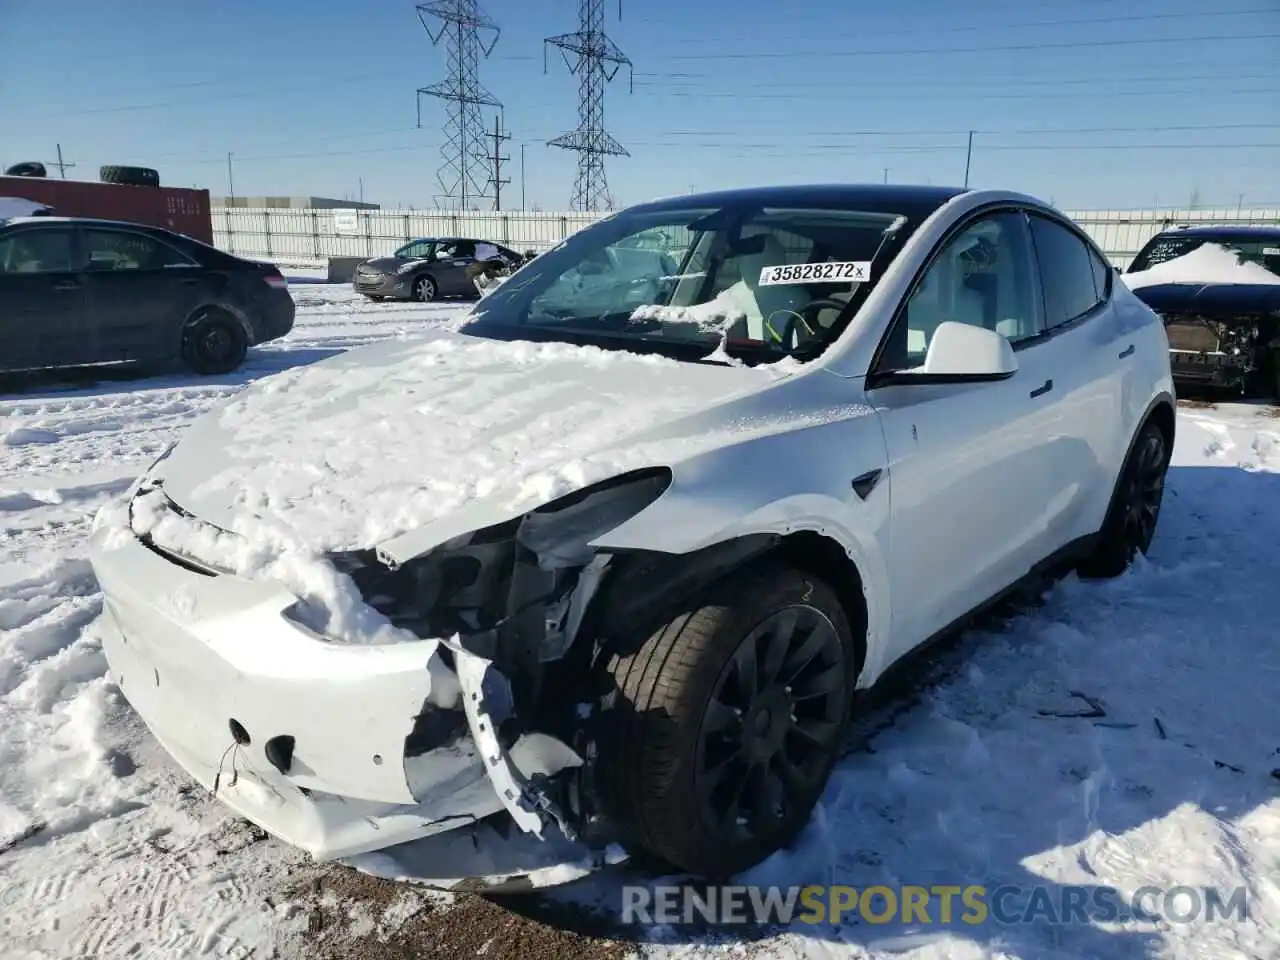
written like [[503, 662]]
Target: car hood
[[1211, 298], [450, 432], [391, 264]]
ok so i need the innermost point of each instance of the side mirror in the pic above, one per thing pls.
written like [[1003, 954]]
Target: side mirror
[[961, 351]]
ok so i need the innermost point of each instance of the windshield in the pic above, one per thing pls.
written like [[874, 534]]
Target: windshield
[[1265, 252], [765, 281]]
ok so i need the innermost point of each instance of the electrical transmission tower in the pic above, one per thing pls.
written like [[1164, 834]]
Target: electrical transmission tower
[[468, 33], [596, 61]]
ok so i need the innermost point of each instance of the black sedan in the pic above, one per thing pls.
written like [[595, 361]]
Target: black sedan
[[433, 267], [1224, 328], [75, 292]]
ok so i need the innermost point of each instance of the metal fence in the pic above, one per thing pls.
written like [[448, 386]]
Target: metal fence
[[308, 236]]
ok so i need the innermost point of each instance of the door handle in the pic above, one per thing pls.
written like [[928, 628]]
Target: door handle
[[1041, 390], [66, 285], [191, 282], [1126, 352]]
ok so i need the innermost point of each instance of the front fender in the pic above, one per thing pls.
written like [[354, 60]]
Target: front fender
[[780, 485]]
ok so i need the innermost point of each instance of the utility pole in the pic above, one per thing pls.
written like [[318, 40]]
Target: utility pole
[[968, 159], [886, 174], [231, 182], [62, 164], [497, 158], [362, 191]]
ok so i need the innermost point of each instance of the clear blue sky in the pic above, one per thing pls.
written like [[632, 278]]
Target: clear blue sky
[[1067, 99]]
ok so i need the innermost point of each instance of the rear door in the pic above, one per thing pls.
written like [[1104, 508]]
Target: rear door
[[1094, 347], [140, 289], [42, 299]]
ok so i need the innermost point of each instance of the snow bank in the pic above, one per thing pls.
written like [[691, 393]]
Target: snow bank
[[1209, 263]]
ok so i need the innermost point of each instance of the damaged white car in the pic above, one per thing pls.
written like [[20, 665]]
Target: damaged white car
[[605, 564]]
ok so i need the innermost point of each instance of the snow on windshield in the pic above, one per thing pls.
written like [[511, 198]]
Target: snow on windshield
[[1209, 263]]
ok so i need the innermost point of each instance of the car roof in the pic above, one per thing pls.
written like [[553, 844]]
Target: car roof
[[912, 200], [1227, 232], [448, 240], [84, 221]]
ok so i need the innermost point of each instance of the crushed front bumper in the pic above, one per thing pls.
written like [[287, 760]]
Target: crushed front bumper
[[333, 748]]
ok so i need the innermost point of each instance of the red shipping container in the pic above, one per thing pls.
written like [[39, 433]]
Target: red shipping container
[[179, 209]]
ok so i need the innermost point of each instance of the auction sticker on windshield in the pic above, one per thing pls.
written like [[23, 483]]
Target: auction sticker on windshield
[[849, 271]]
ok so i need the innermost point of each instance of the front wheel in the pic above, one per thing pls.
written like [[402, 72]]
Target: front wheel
[[214, 342], [424, 289], [719, 731], [1131, 519]]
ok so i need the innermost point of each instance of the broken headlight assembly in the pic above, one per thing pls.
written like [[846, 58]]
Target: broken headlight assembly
[[512, 588]]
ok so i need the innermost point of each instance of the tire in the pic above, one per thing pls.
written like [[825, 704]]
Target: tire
[[213, 342], [425, 289], [129, 176], [31, 168], [1131, 519], [658, 742]]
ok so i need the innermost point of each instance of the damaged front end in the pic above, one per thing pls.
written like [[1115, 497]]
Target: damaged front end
[[1229, 351], [512, 598]]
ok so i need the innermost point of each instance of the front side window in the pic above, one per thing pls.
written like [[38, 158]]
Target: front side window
[[121, 250], [1066, 272], [418, 250], [45, 250], [768, 280], [982, 276]]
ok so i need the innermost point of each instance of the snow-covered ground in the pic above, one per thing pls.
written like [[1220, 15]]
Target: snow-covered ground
[[107, 851]]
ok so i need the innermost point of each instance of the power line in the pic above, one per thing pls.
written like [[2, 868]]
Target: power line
[[972, 98], [815, 148], [1000, 48], [896, 83], [987, 28]]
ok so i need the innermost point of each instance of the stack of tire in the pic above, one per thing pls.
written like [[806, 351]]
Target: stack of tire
[[129, 176]]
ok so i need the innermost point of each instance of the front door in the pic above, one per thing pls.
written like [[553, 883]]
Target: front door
[[968, 484], [42, 299], [452, 259]]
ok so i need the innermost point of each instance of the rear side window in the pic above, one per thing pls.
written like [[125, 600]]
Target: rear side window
[[122, 250], [1067, 272], [1103, 273]]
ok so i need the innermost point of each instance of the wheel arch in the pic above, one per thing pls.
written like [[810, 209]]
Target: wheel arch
[[639, 590], [1163, 412], [221, 306]]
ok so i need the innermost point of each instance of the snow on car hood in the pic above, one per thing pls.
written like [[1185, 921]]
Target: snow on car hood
[[356, 450], [1208, 263]]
